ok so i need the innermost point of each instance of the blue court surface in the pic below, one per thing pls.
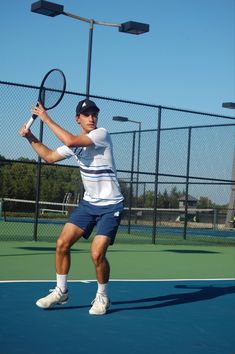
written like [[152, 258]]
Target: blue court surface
[[145, 229], [165, 317]]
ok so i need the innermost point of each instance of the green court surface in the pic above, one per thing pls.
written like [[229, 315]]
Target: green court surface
[[32, 260]]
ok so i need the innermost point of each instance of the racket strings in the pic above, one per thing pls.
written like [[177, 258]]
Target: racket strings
[[52, 90]]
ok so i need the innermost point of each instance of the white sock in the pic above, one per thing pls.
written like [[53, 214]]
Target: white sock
[[102, 289], [61, 282]]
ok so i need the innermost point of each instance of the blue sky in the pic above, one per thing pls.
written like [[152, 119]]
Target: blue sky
[[187, 60]]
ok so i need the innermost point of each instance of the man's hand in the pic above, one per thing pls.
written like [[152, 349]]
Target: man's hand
[[25, 133], [40, 111]]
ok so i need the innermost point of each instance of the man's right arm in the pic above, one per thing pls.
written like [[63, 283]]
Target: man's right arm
[[42, 150]]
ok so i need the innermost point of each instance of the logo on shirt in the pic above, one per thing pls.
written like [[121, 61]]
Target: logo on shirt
[[117, 213]]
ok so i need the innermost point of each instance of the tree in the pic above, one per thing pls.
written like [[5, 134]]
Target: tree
[[18, 181], [205, 203], [2, 159], [163, 199]]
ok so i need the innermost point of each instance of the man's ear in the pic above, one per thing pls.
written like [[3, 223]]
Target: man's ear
[[77, 118]]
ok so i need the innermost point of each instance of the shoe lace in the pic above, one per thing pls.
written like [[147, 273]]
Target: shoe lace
[[99, 299], [53, 291]]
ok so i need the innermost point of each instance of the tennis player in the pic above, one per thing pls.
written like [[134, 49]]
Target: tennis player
[[101, 206]]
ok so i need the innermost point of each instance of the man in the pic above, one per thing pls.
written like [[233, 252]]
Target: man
[[102, 203]]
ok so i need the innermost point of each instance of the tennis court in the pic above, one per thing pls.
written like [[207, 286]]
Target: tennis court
[[174, 296], [150, 316], [165, 298]]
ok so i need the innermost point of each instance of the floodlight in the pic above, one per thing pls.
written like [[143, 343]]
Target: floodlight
[[120, 119], [134, 27], [228, 105], [47, 8]]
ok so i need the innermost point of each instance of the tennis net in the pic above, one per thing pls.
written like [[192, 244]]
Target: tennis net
[[24, 210], [207, 218]]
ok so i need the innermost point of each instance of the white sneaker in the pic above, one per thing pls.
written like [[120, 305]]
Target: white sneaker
[[55, 297], [100, 305]]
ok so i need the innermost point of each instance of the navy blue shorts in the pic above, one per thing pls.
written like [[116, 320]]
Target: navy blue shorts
[[106, 219]]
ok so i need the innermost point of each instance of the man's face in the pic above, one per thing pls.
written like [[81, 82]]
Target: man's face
[[87, 121]]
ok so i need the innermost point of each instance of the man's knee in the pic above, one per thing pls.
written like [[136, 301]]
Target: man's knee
[[97, 257], [62, 245], [98, 249], [69, 235]]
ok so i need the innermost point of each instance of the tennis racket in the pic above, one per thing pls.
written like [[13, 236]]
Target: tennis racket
[[51, 91]]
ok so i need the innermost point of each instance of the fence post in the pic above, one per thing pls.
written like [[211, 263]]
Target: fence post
[[156, 175], [215, 219], [187, 184], [131, 185], [38, 185], [230, 210]]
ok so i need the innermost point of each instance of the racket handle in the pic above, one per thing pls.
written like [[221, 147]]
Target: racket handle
[[30, 121]]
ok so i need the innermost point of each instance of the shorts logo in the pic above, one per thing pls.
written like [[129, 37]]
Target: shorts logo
[[117, 213]]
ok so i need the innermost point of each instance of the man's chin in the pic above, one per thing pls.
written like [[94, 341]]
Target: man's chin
[[90, 129]]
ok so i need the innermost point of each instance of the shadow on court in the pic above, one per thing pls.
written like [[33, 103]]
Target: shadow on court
[[183, 251], [193, 251], [48, 249], [38, 251], [204, 293]]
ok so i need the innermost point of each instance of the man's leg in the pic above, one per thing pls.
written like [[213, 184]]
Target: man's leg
[[69, 235], [98, 254]]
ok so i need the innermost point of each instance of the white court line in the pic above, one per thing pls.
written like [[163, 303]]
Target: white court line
[[44, 281], [118, 280]]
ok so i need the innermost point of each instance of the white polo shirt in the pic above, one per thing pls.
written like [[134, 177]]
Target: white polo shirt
[[97, 168]]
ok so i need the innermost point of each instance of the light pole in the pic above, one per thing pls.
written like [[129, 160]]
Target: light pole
[[231, 207], [51, 9], [126, 119]]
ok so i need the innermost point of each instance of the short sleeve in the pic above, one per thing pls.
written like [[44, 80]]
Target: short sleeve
[[65, 151], [100, 137]]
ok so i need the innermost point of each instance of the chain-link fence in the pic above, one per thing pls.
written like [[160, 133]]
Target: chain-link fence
[[175, 169]]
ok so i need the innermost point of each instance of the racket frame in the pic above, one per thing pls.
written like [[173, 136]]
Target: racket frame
[[41, 95]]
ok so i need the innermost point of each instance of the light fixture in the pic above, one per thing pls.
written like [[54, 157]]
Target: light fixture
[[134, 27], [120, 119], [47, 8], [228, 105], [52, 9]]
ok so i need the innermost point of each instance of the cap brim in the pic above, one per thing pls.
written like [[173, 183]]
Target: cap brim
[[90, 109]]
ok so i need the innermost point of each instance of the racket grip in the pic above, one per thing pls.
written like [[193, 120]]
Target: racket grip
[[30, 122]]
